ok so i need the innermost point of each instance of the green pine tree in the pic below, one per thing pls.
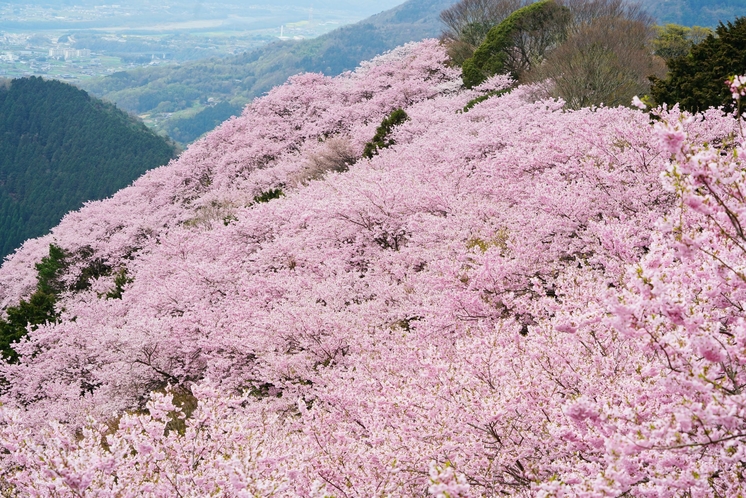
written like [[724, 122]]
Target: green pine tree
[[697, 80]]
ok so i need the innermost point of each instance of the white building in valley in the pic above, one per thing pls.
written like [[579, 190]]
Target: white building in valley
[[69, 53]]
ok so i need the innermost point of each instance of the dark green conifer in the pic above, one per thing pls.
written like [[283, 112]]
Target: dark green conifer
[[381, 139], [697, 80], [40, 307]]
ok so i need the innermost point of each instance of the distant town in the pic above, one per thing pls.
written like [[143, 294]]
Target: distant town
[[27, 54], [75, 43]]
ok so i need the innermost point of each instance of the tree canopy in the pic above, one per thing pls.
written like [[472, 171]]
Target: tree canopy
[[467, 22], [584, 52], [516, 301], [60, 148], [674, 40], [518, 42], [40, 306], [696, 80]]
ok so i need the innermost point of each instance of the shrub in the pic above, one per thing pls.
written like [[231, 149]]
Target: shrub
[[120, 281], [273, 193], [381, 139], [40, 307], [495, 93], [212, 214], [336, 155]]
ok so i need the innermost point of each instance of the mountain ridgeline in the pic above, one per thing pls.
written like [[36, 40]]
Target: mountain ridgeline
[[60, 147], [234, 81], [695, 12]]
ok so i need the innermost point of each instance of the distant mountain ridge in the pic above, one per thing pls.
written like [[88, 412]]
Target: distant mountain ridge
[[59, 148], [237, 80], [695, 12]]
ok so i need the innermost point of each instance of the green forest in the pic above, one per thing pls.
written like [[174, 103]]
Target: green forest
[[61, 147]]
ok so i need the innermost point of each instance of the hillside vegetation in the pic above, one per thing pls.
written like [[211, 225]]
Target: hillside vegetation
[[587, 53], [236, 80], [385, 284], [60, 148], [695, 78], [188, 100]]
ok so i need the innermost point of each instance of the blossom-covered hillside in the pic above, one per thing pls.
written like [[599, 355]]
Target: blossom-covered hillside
[[501, 297]]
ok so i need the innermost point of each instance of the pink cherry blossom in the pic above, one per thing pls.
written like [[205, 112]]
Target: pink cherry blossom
[[517, 299]]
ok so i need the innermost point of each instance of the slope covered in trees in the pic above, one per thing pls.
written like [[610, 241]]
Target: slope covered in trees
[[515, 298], [236, 80], [60, 148]]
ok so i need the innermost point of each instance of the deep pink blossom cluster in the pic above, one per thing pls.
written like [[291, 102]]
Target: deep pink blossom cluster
[[737, 86], [515, 299]]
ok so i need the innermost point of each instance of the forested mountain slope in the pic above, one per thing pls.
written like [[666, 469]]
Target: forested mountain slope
[[60, 148], [236, 80], [374, 285]]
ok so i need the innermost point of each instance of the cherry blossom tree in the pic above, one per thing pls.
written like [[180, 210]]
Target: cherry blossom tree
[[516, 298]]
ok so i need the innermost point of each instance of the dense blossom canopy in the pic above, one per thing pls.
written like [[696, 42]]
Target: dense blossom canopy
[[515, 299]]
